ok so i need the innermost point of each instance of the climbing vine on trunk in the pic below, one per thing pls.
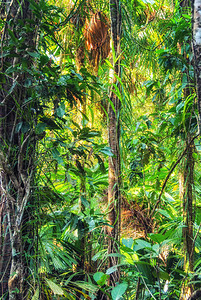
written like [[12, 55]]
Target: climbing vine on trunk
[[114, 196], [18, 108]]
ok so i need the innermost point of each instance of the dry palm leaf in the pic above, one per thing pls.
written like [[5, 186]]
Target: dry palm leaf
[[97, 37]]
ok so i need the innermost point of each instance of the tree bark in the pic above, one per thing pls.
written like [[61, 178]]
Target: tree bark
[[186, 195], [114, 196], [186, 188], [17, 145], [196, 19]]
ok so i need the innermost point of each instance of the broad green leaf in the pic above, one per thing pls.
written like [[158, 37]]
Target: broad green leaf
[[85, 202], [40, 127], [28, 83], [113, 269], [141, 244], [186, 16], [128, 242], [87, 286], [179, 106], [157, 237], [60, 111], [25, 127], [56, 155], [57, 290], [36, 294], [44, 59], [18, 127], [195, 155], [98, 255], [77, 74], [119, 290], [164, 213], [100, 278], [162, 275], [115, 255], [107, 151], [51, 124], [34, 54], [12, 35]]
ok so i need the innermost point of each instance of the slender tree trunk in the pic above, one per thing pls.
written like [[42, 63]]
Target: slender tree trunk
[[17, 146], [186, 195], [186, 186], [186, 183], [196, 19], [114, 197]]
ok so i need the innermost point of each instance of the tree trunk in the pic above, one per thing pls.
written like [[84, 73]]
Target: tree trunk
[[186, 186], [17, 145], [114, 197], [196, 19], [186, 195]]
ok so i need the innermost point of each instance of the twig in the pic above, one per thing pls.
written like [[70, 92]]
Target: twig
[[169, 174]]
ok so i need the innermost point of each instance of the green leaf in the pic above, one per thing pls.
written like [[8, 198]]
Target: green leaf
[[141, 244], [10, 32], [25, 127], [119, 290], [77, 74], [60, 111], [162, 275], [27, 83], [85, 202], [112, 270], [164, 213], [36, 294], [179, 106], [115, 255], [51, 124], [97, 256], [128, 242], [87, 286], [107, 151], [56, 289], [186, 16], [18, 127], [12, 88], [157, 237], [44, 59], [112, 105], [40, 127], [34, 54], [56, 155], [101, 163], [100, 278], [195, 155]]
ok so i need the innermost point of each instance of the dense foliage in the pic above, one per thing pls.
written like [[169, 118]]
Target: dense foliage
[[64, 115]]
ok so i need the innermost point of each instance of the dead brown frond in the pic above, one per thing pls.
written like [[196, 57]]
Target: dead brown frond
[[80, 56], [97, 37], [135, 221]]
